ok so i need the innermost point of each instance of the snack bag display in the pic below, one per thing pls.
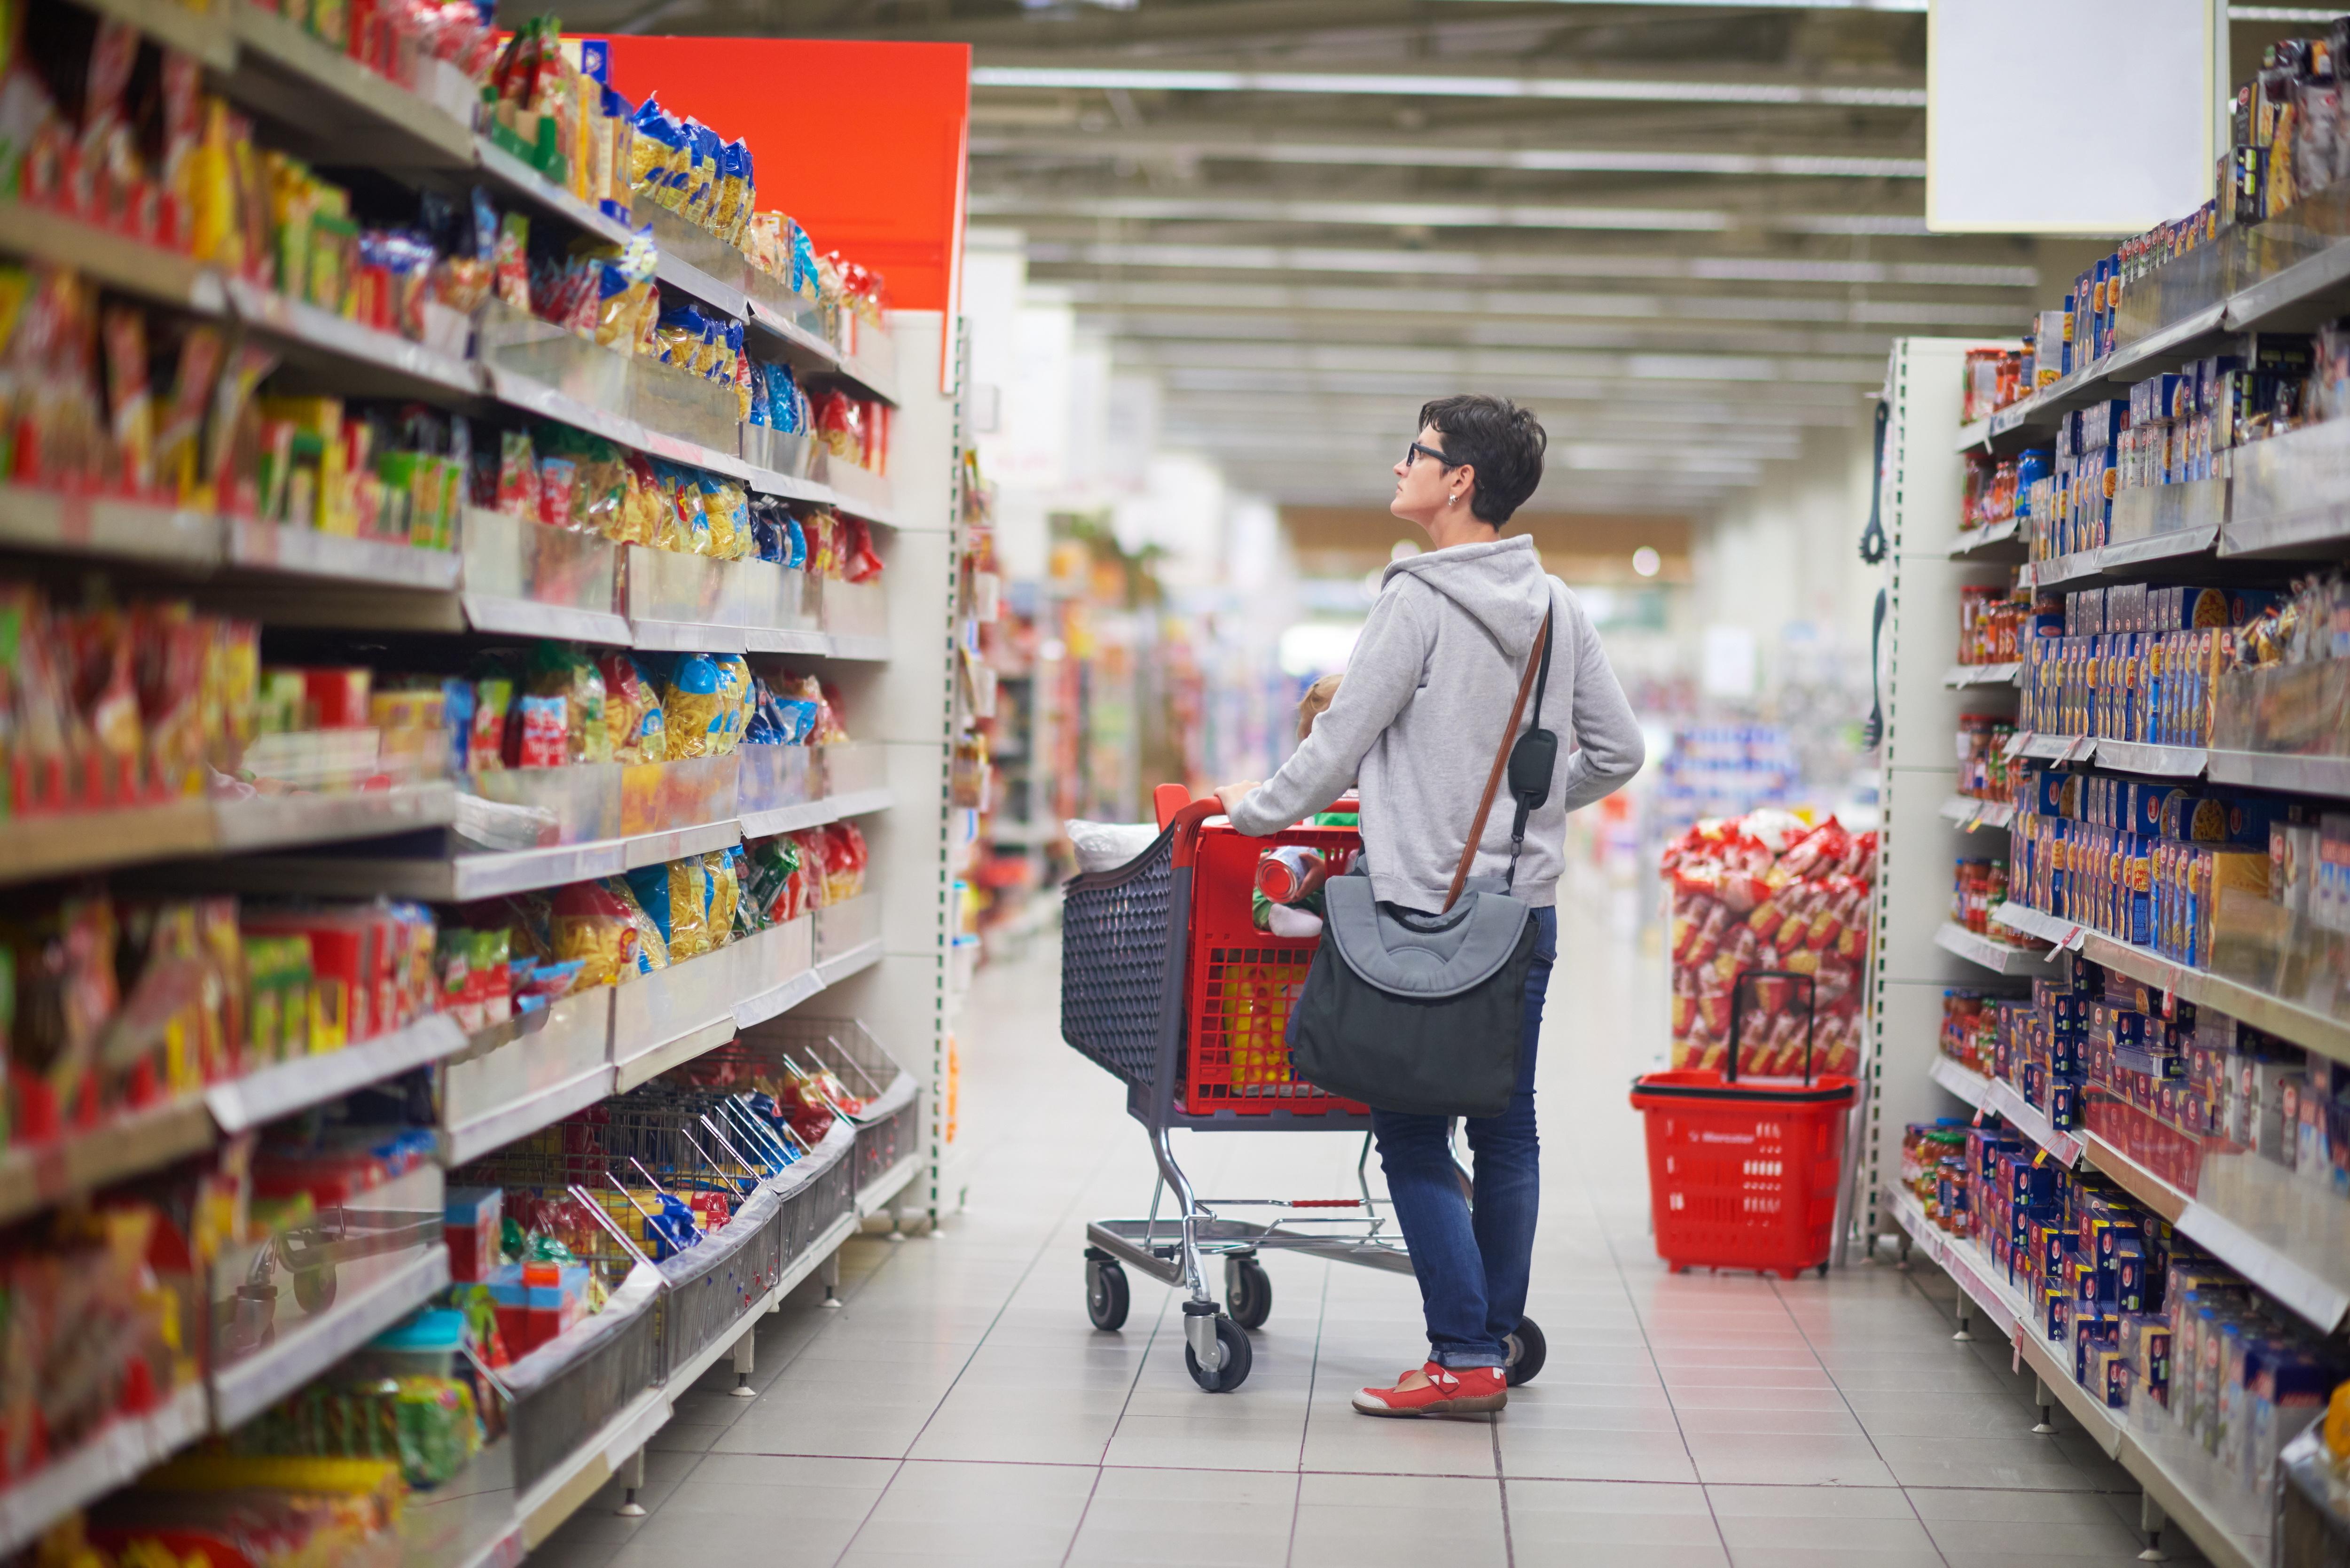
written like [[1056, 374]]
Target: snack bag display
[[1770, 891]]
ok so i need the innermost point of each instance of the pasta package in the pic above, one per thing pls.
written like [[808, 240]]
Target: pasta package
[[632, 710], [593, 926], [693, 707], [734, 693], [725, 891], [652, 946]]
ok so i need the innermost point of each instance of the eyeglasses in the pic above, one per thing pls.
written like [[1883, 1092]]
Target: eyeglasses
[[1412, 453]]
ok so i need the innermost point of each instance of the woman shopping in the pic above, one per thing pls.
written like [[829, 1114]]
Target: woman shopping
[[1432, 683]]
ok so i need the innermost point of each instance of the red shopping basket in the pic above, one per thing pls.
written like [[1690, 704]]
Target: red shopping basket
[[1745, 1176]]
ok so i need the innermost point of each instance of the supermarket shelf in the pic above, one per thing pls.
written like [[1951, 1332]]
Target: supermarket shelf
[[531, 617], [2300, 775], [335, 102], [462, 879], [646, 1062], [800, 349], [2318, 1031], [840, 966], [306, 1081], [850, 645], [535, 397], [2123, 561], [1969, 813], [118, 262], [191, 32], [420, 369], [1985, 542], [288, 821], [876, 1194], [814, 813], [677, 273], [2007, 1101], [1961, 1080], [36, 846], [2031, 418], [2318, 1289], [2155, 762], [51, 520], [780, 998], [1999, 956], [480, 1521], [306, 552], [516, 178], [2127, 756], [768, 481], [788, 639], [520, 1118], [115, 1457], [1960, 675], [33, 1176], [243, 1390], [689, 637]]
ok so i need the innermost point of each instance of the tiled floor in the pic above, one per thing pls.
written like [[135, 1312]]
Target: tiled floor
[[960, 1409]]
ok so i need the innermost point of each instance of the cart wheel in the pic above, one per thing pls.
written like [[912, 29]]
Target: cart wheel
[[1107, 1297], [1248, 1291], [1824, 1271], [1234, 1342], [313, 1290], [1527, 1350]]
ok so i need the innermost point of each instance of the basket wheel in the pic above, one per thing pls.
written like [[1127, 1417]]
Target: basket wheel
[[1527, 1350], [1107, 1297], [314, 1289], [1233, 1340], [1248, 1291]]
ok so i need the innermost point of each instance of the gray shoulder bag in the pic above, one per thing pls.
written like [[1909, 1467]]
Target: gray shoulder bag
[[1418, 1013]]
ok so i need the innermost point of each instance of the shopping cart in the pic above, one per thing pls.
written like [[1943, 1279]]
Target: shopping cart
[[1745, 1176], [1166, 982]]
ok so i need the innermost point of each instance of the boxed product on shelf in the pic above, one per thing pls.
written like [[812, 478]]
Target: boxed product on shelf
[[1768, 892], [2136, 662]]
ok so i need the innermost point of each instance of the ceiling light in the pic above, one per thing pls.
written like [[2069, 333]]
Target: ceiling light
[[1514, 263], [1434, 215], [1646, 561], [1430, 84], [1541, 160]]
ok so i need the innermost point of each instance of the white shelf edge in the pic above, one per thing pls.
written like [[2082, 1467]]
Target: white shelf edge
[[1997, 957], [113, 1456], [875, 1195], [295, 1085], [250, 1386], [519, 1118], [814, 813], [1961, 1080]]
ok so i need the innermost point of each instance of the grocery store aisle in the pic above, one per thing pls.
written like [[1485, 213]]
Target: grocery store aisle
[[958, 1409]]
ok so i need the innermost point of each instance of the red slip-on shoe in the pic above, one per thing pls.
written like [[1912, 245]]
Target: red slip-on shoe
[[1437, 1390]]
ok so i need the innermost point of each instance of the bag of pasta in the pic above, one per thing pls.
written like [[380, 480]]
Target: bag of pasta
[[652, 947], [693, 709], [632, 710], [725, 893], [589, 924]]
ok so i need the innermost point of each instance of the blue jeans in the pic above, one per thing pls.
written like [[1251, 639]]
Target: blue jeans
[[1473, 1267]]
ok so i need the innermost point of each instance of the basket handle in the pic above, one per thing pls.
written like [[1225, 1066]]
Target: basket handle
[[1811, 1014], [1166, 800], [1185, 822]]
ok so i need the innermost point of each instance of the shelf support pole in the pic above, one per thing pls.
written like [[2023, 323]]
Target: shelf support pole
[[828, 1274], [632, 1476], [2154, 1522], [745, 1349], [2046, 1402]]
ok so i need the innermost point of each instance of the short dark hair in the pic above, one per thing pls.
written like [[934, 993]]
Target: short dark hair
[[1504, 440]]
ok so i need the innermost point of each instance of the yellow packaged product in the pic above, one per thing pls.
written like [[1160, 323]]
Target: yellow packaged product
[[690, 930], [653, 945], [693, 707], [725, 892]]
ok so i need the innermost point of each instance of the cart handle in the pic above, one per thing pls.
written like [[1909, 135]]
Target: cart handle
[[1811, 1014], [1184, 819]]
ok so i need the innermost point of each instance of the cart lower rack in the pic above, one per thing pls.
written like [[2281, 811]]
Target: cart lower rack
[[1167, 983]]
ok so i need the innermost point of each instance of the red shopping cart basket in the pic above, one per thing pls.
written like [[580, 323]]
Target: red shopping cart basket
[[1745, 1176]]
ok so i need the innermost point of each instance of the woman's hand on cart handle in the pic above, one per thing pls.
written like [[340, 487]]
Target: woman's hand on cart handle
[[1232, 795]]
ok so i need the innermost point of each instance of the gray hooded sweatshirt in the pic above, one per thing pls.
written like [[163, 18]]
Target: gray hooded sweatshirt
[[1419, 714]]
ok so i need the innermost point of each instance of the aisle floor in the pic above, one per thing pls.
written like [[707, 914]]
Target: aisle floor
[[958, 1408]]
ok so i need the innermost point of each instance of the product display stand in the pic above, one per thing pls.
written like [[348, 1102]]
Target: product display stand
[[876, 966]]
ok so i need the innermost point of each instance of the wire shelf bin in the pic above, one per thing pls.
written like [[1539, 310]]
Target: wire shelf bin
[[1166, 982], [857, 1077]]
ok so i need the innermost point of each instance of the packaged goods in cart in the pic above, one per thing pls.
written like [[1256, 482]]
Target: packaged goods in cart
[[1769, 891]]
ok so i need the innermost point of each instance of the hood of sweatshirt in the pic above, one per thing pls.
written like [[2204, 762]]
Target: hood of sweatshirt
[[1501, 585]]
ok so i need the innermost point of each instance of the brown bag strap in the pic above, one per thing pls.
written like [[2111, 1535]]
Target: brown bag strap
[[1501, 761]]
